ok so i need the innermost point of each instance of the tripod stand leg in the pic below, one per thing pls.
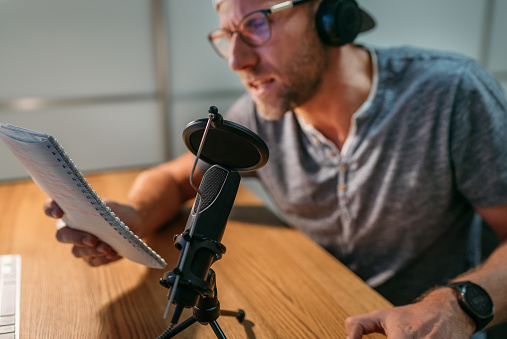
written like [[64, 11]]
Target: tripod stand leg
[[217, 330], [239, 314], [181, 327]]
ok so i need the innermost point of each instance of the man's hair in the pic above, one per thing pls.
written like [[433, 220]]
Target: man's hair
[[216, 3]]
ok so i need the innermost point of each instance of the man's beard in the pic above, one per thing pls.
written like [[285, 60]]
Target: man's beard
[[301, 77]]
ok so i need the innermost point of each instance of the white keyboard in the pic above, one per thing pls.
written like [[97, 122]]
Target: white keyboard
[[10, 295]]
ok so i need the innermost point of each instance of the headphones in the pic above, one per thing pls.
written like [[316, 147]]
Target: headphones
[[338, 22]]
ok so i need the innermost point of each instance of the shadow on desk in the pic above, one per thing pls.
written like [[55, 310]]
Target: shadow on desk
[[255, 215], [139, 312], [251, 214]]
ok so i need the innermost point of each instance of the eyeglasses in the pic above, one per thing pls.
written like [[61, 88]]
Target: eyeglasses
[[254, 29]]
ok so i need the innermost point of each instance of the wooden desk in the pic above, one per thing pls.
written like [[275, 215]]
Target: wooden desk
[[288, 286]]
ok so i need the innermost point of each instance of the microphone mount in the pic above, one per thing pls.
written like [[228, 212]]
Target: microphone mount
[[198, 242], [215, 117], [206, 312]]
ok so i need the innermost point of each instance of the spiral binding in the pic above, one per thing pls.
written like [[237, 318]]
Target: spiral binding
[[104, 211]]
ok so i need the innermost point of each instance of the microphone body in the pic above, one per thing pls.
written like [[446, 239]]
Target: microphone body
[[218, 191]]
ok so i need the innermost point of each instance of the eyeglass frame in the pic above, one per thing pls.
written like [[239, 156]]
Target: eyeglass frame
[[267, 11]]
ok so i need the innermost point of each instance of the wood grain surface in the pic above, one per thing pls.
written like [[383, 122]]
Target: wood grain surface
[[288, 286]]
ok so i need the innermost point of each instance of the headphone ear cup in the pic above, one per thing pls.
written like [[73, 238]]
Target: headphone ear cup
[[338, 21]]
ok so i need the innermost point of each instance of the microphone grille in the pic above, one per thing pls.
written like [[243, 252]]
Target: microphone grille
[[210, 187]]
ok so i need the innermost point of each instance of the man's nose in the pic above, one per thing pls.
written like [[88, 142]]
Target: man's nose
[[241, 55]]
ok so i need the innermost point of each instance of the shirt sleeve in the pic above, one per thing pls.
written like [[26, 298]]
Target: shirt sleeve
[[478, 138]]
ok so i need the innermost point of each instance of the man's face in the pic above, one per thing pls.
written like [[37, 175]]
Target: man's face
[[285, 72]]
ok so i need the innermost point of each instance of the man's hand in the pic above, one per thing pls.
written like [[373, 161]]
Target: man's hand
[[438, 315], [87, 246]]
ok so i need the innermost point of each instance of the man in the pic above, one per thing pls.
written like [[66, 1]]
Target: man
[[382, 156]]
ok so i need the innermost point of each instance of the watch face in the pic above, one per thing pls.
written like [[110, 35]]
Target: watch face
[[478, 300]]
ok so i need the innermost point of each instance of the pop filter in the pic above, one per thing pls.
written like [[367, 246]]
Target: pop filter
[[228, 144]]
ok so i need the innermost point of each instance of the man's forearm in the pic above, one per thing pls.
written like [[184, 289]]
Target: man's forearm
[[158, 193], [438, 312], [492, 276], [156, 198]]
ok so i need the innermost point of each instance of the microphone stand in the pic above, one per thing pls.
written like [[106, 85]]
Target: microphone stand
[[207, 309]]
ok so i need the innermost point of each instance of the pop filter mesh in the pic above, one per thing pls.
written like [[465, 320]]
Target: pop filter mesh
[[226, 149], [229, 145]]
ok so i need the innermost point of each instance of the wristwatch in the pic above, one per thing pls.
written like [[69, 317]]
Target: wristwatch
[[475, 301]]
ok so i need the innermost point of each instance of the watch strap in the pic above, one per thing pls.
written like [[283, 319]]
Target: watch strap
[[461, 289]]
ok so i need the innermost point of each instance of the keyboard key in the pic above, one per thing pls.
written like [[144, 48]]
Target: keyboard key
[[9, 320], [7, 329], [10, 284], [8, 299]]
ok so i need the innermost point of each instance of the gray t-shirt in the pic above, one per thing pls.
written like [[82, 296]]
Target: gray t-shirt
[[395, 204]]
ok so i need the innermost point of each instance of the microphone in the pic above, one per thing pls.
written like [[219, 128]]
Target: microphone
[[232, 148], [209, 214]]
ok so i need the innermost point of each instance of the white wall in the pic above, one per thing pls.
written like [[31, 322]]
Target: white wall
[[472, 27], [95, 49], [198, 77], [446, 25], [497, 59], [97, 55], [57, 48]]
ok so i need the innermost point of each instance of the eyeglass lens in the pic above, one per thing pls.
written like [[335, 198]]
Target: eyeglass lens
[[253, 29]]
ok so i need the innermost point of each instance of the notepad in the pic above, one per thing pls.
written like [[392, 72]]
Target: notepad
[[57, 175]]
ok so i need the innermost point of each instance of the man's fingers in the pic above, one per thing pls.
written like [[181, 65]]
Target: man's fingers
[[102, 260], [359, 325], [70, 236], [96, 255], [51, 209], [87, 246], [100, 250]]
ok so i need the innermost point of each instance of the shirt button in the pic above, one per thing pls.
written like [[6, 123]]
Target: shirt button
[[315, 141], [330, 153], [343, 168], [342, 187]]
